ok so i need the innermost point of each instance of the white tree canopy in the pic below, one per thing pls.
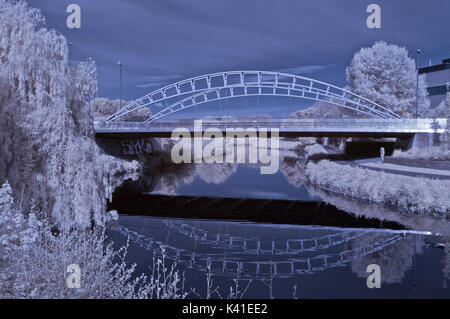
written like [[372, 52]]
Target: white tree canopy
[[385, 74], [46, 148]]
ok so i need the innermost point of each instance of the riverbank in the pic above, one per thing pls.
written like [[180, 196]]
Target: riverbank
[[413, 195], [441, 152]]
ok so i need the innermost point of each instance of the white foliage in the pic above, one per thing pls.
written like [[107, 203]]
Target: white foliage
[[34, 259], [315, 149], [103, 107], [411, 194], [385, 74], [323, 110], [442, 110], [112, 215], [46, 148], [293, 169], [430, 153], [215, 174]]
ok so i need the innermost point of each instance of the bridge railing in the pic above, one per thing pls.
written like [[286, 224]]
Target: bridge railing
[[399, 125]]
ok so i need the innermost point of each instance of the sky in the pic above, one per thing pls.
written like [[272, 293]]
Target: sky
[[162, 41]]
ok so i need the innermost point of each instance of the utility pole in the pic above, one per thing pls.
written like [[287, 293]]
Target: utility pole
[[69, 47], [120, 92], [417, 85]]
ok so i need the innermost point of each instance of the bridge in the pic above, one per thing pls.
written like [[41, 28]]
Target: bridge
[[232, 84], [399, 128], [376, 121]]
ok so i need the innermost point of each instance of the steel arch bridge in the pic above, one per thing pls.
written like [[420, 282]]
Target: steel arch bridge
[[232, 84]]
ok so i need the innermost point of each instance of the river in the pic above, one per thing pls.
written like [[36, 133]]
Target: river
[[276, 236]]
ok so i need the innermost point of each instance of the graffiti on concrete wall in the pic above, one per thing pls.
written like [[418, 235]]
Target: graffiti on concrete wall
[[136, 146]]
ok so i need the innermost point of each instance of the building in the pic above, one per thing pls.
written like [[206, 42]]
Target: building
[[438, 80]]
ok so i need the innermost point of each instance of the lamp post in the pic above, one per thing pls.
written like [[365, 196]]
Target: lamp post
[[69, 48], [120, 91], [417, 84]]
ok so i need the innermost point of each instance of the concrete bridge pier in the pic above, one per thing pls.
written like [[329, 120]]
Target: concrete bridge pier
[[424, 140]]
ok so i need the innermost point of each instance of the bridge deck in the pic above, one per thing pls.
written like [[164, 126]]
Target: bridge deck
[[286, 127]]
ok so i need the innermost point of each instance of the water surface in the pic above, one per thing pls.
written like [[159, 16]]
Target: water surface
[[325, 254]]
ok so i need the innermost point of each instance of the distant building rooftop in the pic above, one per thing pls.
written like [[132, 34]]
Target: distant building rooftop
[[438, 67]]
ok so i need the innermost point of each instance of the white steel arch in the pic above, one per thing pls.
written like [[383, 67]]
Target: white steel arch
[[242, 91], [222, 85]]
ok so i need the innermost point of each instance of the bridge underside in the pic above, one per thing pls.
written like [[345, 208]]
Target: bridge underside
[[288, 134]]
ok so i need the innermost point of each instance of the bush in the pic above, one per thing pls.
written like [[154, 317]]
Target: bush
[[35, 255], [410, 194], [430, 153]]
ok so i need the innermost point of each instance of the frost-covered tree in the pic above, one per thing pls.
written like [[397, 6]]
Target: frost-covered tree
[[326, 110], [385, 74], [34, 260], [103, 107], [6, 199], [47, 151], [319, 110], [442, 110]]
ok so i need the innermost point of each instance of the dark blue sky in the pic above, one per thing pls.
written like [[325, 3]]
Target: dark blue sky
[[161, 41]]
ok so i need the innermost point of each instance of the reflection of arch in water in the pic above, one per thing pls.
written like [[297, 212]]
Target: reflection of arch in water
[[394, 260], [397, 259], [243, 243], [279, 263]]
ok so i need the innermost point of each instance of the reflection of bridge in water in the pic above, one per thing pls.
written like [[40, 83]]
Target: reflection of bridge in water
[[295, 250]]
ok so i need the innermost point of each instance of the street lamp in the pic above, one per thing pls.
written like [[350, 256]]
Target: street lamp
[[69, 48], [120, 67], [417, 84]]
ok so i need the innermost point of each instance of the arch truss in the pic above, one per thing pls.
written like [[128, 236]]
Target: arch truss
[[224, 85], [282, 263]]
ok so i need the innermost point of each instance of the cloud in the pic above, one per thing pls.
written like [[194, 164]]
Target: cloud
[[305, 69], [173, 39], [158, 80]]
